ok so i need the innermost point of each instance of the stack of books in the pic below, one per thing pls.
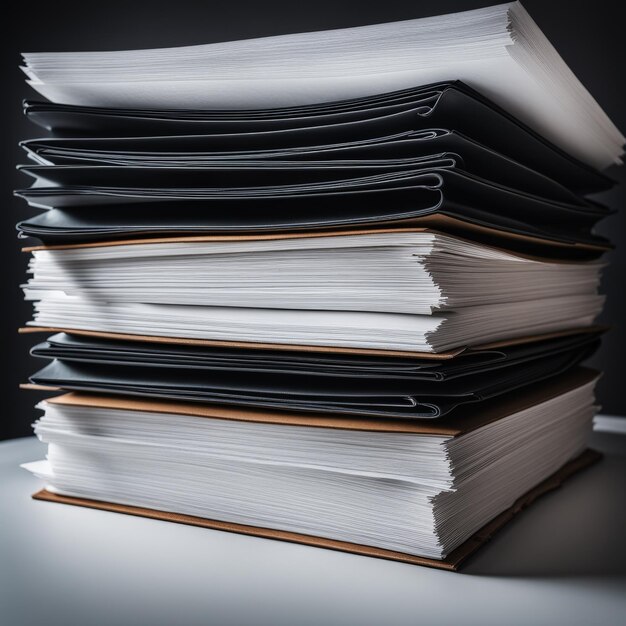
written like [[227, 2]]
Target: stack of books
[[333, 288]]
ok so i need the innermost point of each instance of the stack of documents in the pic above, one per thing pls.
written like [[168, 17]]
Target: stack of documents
[[334, 288]]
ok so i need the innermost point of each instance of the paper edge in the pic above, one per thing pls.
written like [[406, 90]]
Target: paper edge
[[452, 562]]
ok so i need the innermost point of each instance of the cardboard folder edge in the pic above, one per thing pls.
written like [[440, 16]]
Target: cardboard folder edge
[[185, 341], [435, 224]]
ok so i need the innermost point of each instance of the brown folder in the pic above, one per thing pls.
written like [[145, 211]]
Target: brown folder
[[185, 341], [543, 246], [491, 411]]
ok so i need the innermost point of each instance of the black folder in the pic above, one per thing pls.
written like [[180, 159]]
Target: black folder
[[244, 200], [446, 105], [333, 384], [76, 161]]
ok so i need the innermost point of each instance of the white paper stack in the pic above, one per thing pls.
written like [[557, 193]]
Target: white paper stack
[[498, 50], [331, 287], [410, 493]]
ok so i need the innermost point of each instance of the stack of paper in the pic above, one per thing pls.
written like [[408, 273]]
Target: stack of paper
[[333, 287]]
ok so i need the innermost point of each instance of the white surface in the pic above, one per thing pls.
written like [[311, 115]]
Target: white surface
[[498, 50], [563, 561], [610, 424]]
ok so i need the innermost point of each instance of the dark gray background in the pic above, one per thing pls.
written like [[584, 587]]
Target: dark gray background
[[588, 34]]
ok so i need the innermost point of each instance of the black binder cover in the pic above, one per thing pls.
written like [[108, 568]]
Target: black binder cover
[[451, 105]]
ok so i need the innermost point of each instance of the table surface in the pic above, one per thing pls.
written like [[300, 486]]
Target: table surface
[[561, 561]]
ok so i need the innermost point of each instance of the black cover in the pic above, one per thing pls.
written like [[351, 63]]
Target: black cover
[[333, 384], [408, 151], [450, 105], [246, 201]]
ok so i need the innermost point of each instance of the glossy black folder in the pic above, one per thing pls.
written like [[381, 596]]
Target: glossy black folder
[[446, 105], [246, 201], [112, 352], [333, 384], [408, 151]]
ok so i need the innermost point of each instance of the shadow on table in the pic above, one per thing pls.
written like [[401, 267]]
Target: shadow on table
[[577, 531]]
